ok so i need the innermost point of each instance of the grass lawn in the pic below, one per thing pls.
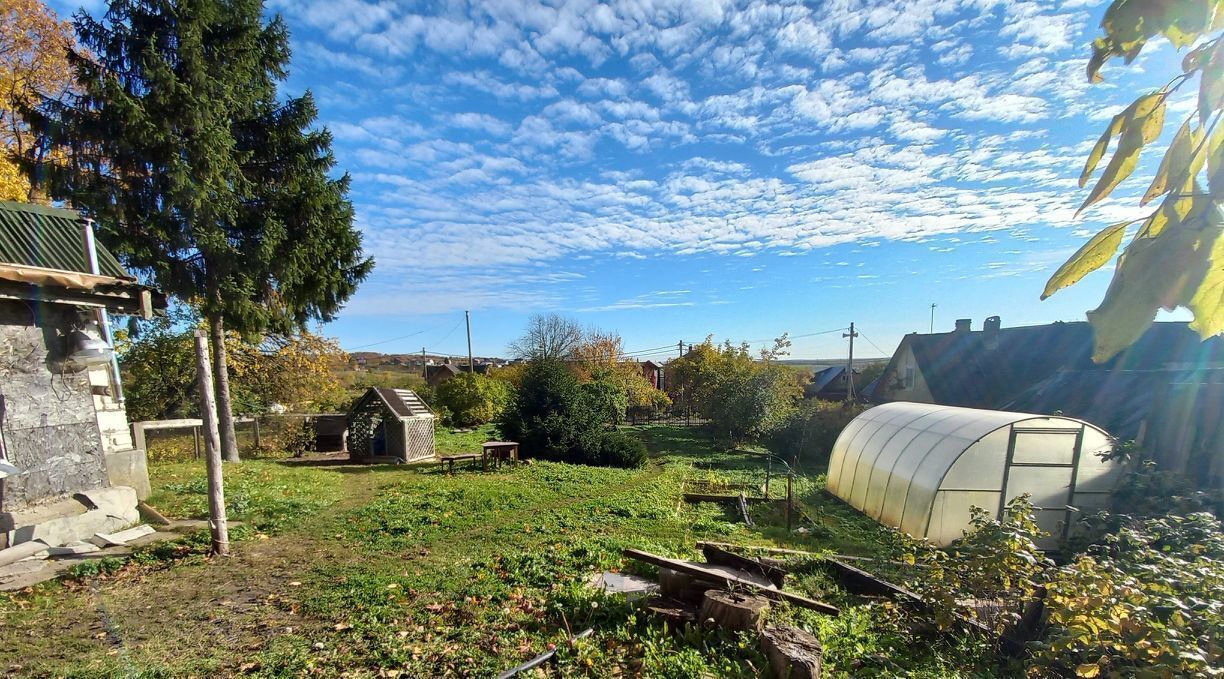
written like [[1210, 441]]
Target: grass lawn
[[404, 571]]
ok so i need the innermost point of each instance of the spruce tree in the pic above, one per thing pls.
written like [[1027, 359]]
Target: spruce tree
[[199, 175]]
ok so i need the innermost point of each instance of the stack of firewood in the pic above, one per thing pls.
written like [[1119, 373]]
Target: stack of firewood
[[735, 592]]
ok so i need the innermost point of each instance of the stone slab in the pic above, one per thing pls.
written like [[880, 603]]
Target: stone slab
[[74, 549], [22, 551], [122, 537], [21, 568], [621, 583]]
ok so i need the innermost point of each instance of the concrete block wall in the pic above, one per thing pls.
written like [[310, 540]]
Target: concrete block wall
[[50, 428]]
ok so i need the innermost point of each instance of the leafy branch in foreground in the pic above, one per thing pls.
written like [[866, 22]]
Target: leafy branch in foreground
[[1176, 257]]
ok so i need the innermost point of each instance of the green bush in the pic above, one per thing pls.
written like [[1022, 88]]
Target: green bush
[[621, 450], [472, 399], [810, 431], [608, 399], [552, 417]]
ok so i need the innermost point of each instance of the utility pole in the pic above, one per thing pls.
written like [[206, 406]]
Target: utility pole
[[932, 318], [681, 347], [471, 364], [217, 526], [850, 364], [424, 366]]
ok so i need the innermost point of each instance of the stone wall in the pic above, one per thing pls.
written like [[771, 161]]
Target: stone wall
[[50, 427]]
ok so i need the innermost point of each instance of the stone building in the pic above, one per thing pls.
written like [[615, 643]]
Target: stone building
[[68, 467]]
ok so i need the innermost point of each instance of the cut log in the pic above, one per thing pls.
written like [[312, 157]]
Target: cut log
[[733, 611], [792, 653], [684, 586], [675, 613], [730, 581], [717, 555]]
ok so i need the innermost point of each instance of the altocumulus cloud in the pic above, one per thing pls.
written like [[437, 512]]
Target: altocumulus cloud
[[547, 133]]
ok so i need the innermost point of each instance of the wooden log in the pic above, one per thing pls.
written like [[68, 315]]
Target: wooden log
[[792, 653], [683, 586], [734, 611], [729, 581], [722, 557], [675, 613]]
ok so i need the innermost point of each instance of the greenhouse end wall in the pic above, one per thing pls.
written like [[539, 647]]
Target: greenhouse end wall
[[921, 468]]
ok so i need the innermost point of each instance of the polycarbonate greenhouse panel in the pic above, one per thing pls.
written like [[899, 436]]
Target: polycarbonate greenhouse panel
[[922, 468]]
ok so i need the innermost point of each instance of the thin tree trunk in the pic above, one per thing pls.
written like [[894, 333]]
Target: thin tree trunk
[[225, 408], [216, 487]]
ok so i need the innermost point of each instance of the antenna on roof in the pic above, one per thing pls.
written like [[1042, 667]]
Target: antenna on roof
[[933, 318]]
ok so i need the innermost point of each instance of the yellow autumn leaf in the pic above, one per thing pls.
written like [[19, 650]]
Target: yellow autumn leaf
[[1181, 162], [1207, 305], [1092, 256], [1098, 150], [1088, 670], [1120, 167], [1153, 273]]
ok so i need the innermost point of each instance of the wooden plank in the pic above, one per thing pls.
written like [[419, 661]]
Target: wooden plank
[[717, 555], [859, 581], [729, 581], [743, 505]]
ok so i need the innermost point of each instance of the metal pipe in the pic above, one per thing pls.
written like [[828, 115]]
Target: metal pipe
[[91, 257], [543, 657]]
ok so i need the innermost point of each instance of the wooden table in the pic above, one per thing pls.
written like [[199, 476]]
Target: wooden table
[[499, 450]]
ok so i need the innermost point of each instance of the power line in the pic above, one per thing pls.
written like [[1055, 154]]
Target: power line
[[873, 344], [393, 339]]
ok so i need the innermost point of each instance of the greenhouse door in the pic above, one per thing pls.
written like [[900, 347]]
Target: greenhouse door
[[1042, 463]]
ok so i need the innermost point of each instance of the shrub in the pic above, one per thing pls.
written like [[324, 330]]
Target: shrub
[[810, 431], [621, 450], [551, 417], [1144, 602], [607, 399], [473, 399]]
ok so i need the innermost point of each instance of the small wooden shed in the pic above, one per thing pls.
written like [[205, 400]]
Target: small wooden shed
[[387, 424]]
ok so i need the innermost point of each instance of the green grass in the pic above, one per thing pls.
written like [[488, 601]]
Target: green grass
[[362, 570]]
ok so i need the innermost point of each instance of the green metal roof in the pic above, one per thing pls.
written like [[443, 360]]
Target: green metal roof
[[50, 238]]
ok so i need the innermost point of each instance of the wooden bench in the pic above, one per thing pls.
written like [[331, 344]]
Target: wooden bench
[[448, 462]]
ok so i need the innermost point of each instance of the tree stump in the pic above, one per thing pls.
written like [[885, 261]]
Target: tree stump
[[792, 653], [734, 611], [683, 587], [676, 614]]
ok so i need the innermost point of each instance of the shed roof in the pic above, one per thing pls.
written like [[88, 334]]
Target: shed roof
[[49, 238], [402, 402]]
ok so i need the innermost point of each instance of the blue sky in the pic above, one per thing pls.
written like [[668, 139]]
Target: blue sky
[[676, 168]]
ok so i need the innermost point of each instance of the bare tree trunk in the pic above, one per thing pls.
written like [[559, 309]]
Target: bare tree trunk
[[225, 409], [208, 413]]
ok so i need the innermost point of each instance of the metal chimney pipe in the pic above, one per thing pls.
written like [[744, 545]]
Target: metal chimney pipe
[[91, 258]]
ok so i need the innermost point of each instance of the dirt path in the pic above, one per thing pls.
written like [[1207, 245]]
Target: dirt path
[[183, 614]]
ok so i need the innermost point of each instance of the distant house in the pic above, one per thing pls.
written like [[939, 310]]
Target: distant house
[[1166, 391], [437, 374], [829, 384], [653, 372], [65, 447]]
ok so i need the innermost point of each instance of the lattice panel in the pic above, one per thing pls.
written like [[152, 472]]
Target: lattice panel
[[419, 433]]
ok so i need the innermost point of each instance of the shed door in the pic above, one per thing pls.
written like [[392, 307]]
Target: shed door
[[1042, 462]]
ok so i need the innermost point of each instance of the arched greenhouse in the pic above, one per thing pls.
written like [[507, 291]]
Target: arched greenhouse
[[921, 467]]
